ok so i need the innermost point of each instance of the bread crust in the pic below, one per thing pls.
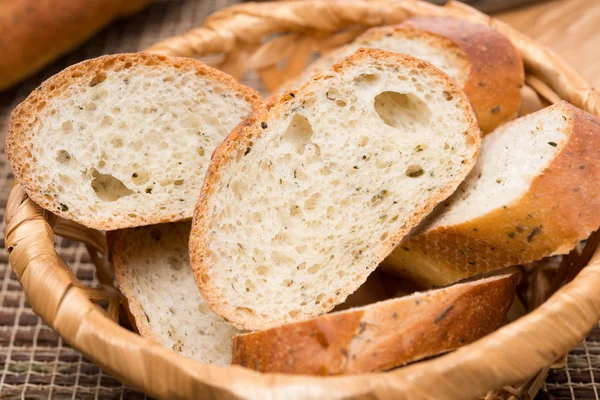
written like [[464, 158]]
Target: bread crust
[[383, 335], [560, 209], [19, 140], [496, 70], [250, 131], [493, 67], [35, 32]]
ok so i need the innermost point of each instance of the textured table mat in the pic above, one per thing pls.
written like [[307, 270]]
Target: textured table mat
[[34, 361]]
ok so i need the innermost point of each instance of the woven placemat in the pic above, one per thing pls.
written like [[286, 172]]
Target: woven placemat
[[34, 361]]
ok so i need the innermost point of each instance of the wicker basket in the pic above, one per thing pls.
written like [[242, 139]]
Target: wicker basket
[[257, 37]]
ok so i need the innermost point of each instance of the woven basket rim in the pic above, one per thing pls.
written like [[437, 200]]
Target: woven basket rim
[[510, 354]]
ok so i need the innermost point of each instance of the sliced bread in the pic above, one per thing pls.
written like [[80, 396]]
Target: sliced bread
[[482, 61], [533, 193], [303, 200], [383, 335], [124, 140], [153, 272]]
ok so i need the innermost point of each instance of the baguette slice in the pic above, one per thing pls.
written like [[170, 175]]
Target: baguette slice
[[533, 193], [303, 200], [153, 272], [383, 335], [482, 61], [124, 140]]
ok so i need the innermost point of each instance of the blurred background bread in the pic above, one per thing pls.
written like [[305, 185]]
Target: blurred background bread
[[35, 32]]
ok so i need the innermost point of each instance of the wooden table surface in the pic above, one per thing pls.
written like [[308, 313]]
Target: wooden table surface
[[569, 27]]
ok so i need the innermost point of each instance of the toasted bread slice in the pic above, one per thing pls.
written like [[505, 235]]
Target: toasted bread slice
[[154, 274], [481, 60], [124, 140], [304, 200], [383, 335], [532, 194]]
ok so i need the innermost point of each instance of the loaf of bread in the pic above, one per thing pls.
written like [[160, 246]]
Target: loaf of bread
[[153, 272], [303, 200], [533, 193], [34, 32], [124, 140], [482, 61], [383, 335]]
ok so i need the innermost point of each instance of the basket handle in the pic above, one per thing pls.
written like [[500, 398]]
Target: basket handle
[[311, 26]]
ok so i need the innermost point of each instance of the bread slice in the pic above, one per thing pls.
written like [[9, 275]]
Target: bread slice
[[383, 335], [481, 60], [124, 140], [153, 272], [533, 193], [302, 202]]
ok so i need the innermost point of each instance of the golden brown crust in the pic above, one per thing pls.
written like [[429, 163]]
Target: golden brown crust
[[19, 140], [250, 131], [35, 32], [561, 208], [496, 74], [380, 336], [493, 67]]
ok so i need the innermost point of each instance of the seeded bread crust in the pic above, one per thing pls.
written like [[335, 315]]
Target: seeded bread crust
[[249, 131], [19, 140], [492, 67], [383, 335], [560, 209]]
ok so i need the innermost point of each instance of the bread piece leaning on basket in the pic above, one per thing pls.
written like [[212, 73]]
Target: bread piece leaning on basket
[[307, 195]]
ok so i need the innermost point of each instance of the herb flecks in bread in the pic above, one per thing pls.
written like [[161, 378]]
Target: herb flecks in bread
[[124, 140], [532, 194], [303, 200], [154, 274]]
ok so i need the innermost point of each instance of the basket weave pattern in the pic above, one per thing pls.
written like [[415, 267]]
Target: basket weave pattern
[[244, 37]]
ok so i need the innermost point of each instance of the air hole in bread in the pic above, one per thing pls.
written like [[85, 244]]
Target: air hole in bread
[[106, 121], [108, 188], [294, 313], [366, 79], [178, 182], [140, 177], [237, 188], [334, 95], [414, 171], [174, 263], [98, 79], [117, 142], [63, 156], [319, 298], [314, 269], [67, 127], [311, 203], [279, 258], [402, 110], [262, 270], [244, 310], [448, 96], [298, 133]]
